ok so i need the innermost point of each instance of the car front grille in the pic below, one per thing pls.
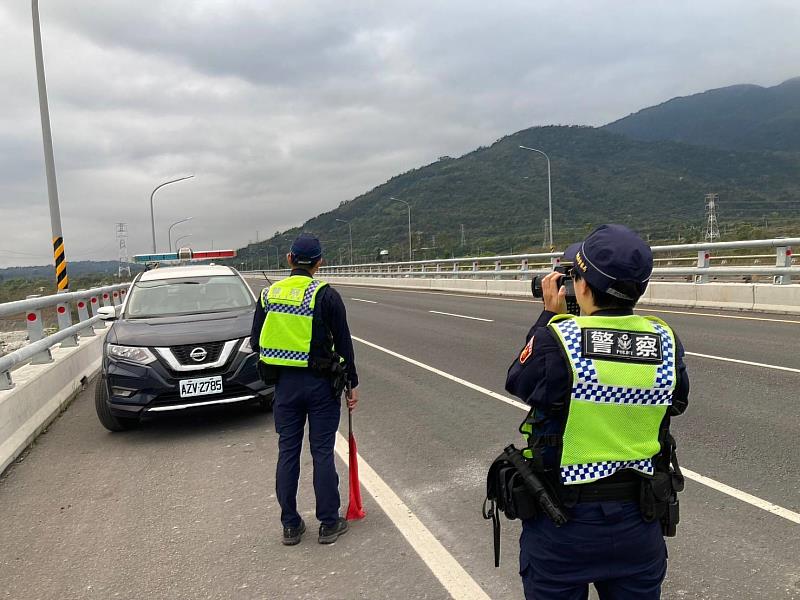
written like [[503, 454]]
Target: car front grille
[[212, 350]]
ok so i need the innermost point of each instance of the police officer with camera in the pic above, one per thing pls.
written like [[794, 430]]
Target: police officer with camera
[[300, 327], [602, 387]]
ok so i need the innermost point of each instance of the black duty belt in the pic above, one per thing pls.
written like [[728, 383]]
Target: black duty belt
[[604, 492]]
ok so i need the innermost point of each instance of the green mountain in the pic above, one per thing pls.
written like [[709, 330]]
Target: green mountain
[[739, 117], [499, 194], [78, 268]]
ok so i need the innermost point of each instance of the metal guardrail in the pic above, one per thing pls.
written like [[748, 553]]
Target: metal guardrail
[[524, 266], [68, 334]]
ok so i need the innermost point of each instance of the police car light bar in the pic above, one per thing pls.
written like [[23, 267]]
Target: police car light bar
[[146, 258], [206, 254], [183, 255]]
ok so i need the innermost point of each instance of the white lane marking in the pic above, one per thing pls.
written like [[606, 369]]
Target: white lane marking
[[438, 312], [447, 570], [463, 382], [787, 514], [362, 300], [702, 479], [474, 296], [639, 308], [684, 312], [743, 362]]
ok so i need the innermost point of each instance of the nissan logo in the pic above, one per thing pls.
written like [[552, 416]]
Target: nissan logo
[[198, 354]]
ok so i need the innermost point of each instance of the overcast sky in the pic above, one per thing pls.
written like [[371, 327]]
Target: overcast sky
[[284, 109]]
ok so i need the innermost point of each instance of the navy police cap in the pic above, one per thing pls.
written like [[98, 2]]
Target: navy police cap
[[609, 254], [306, 249]]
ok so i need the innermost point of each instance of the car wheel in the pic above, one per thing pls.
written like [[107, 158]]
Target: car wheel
[[109, 421]]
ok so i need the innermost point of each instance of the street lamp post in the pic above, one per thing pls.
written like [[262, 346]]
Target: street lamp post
[[178, 241], [152, 216], [350, 227], [169, 231], [409, 223], [62, 281], [549, 192]]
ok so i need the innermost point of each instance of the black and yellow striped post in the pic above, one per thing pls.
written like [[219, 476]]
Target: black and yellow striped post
[[62, 281]]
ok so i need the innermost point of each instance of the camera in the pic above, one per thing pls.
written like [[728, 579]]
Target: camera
[[566, 281]]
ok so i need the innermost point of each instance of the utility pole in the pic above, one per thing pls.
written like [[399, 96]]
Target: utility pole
[[62, 281], [545, 233], [124, 261], [712, 229], [462, 235]]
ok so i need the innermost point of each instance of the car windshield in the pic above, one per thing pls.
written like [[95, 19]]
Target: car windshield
[[186, 296]]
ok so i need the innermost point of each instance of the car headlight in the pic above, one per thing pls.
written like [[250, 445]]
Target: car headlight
[[246, 347], [134, 354]]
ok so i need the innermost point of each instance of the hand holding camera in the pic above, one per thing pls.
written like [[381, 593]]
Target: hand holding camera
[[554, 294], [557, 290]]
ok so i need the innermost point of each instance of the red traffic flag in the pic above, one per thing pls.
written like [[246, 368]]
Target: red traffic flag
[[355, 510]]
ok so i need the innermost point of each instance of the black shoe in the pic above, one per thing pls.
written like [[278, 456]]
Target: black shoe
[[328, 534], [293, 535]]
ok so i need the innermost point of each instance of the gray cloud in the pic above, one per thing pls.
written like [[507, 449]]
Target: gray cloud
[[284, 109]]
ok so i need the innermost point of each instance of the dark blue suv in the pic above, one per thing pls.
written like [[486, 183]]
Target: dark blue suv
[[180, 341]]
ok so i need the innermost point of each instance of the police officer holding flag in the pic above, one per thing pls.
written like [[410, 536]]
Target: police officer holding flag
[[301, 329], [602, 387]]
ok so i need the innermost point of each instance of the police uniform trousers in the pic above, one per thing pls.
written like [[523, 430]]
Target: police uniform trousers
[[302, 394], [605, 543]]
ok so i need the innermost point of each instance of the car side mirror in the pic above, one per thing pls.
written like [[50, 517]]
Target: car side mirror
[[107, 313]]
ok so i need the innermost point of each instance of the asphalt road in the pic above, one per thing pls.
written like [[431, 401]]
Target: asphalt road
[[185, 507]]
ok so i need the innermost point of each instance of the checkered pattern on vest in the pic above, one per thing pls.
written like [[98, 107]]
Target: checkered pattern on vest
[[285, 354], [291, 310], [593, 471], [310, 294], [587, 387], [665, 374]]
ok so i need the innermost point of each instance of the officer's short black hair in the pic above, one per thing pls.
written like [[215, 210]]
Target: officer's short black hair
[[605, 300]]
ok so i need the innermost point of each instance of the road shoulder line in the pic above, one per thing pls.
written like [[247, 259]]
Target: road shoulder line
[[743, 362], [701, 479], [459, 584], [439, 312]]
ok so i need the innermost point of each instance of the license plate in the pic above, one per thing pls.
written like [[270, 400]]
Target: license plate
[[202, 386]]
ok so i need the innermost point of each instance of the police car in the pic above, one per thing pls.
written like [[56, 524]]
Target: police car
[[180, 341]]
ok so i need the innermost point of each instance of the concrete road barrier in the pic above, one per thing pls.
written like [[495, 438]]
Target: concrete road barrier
[[776, 298], [672, 294], [737, 296], [41, 392], [730, 296]]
